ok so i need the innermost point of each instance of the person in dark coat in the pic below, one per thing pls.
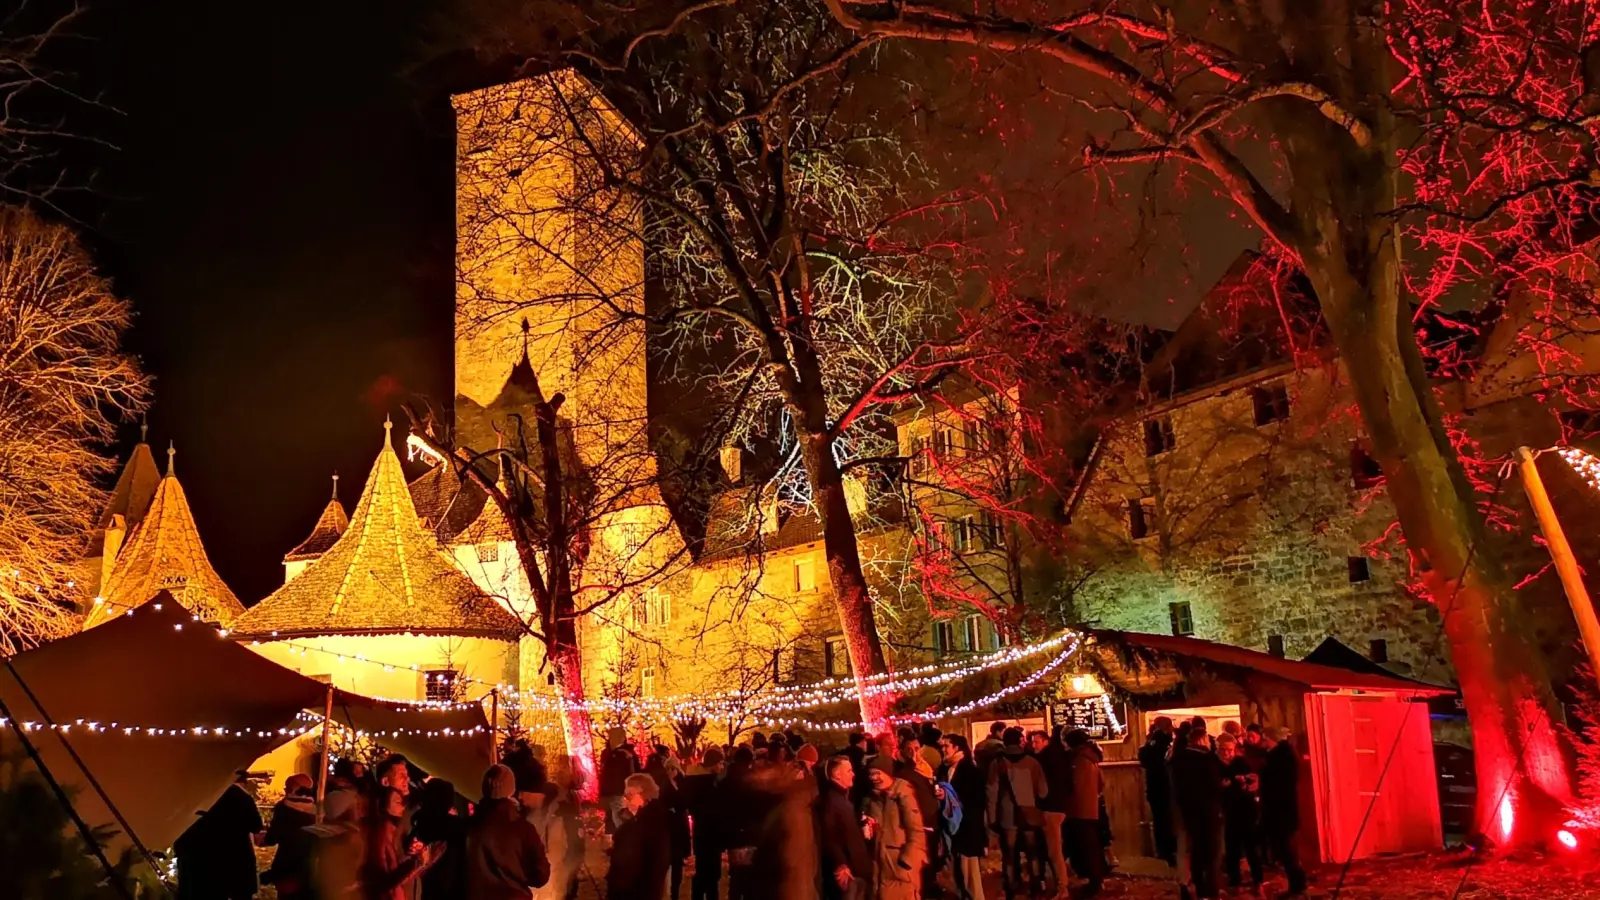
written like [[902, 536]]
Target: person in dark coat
[[1240, 812], [290, 872], [971, 841], [1197, 790], [1053, 805], [785, 863], [846, 862], [1280, 807], [505, 858], [1158, 788], [741, 822], [616, 764], [437, 821], [216, 855], [641, 854], [913, 768], [702, 797], [1083, 810], [664, 769]]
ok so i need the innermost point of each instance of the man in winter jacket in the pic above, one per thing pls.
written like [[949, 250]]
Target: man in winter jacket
[[290, 872], [703, 797], [846, 862], [1158, 788], [505, 858], [1280, 807], [1016, 785], [894, 826], [1052, 759], [1197, 789], [1083, 810], [642, 853]]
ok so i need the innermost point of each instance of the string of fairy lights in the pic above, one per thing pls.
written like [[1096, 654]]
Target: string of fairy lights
[[1586, 465]]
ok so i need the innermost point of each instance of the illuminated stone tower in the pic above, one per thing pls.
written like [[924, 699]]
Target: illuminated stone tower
[[549, 267]]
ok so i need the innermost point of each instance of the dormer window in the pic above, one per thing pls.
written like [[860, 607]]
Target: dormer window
[[1270, 403], [1159, 436]]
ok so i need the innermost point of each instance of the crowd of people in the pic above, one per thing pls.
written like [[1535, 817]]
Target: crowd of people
[[898, 816], [1221, 804], [894, 817]]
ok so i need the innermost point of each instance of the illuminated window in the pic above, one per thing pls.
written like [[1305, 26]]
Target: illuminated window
[[836, 657], [944, 442], [488, 552], [975, 633], [944, 637], [960, 534], [1270, 403], [805, 575], [441, 685], [647, 681], [920, 445], [657, 608], [1159, 436], [1182, 618]]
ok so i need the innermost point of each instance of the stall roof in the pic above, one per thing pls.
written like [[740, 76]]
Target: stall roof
[[158, 667], [1312, 675]]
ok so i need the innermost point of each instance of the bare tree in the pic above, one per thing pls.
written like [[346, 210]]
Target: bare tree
[[64, 384], [803, 262], [1340, 129]]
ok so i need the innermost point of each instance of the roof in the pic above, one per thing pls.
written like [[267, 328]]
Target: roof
[[164, 553], [131, 498], [330, 525], [734, 525], [1311, 675], [384, 575], [456, 509]]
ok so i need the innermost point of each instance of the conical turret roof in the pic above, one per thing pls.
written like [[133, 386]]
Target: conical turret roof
[[330, 526], [164, 553], [131, 498], [384, 575]]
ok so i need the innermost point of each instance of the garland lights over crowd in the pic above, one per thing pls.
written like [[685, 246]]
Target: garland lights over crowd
[[767, 706]]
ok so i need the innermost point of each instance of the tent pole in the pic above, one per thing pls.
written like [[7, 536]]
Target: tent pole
[[66, 802], [149, 858], [322, 770], [1561, 552], [494, 726]]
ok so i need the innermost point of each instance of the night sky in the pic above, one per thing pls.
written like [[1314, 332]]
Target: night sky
[[279, 211]]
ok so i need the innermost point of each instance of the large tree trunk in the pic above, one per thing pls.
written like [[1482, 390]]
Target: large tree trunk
[[845, 574], [567, 663], [1522, 770]]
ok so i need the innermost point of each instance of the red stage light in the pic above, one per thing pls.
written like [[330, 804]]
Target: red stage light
[[1567, 839]]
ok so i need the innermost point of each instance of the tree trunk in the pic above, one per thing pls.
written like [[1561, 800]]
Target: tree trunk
[[567, 663], [848, 581], [1522, 770]]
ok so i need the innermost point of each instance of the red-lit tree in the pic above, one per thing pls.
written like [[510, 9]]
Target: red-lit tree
[[1345, 130]]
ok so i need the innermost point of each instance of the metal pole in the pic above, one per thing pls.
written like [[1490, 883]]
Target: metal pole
[[1561, 553], [322, 770], [494, 726]]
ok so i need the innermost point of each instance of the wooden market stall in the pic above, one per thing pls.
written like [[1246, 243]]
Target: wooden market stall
[[1347, 727]]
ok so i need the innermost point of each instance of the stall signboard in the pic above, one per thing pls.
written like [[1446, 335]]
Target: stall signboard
[[1099, 715]]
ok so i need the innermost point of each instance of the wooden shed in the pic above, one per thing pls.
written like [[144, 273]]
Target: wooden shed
[[1347, 726]]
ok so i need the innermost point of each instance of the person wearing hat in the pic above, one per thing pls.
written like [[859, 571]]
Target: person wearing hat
[[892, 822], [290, 871], [505, 857]]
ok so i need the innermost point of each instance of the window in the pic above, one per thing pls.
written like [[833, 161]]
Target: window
[[1275, 645], [1182, 618], [1364, 470], [657, 609], [488, 552], [920, 445], [783, 665], [647, 681], [959, 534], [440, 685], [944, 442], [805, 575], [1360, 569], [1378, 650], [1159, 436], [944, 637], [1001, 638], [994, 436], [1271, 403], [836, 657], [973, 626], [988, 535], [1141, 518]]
